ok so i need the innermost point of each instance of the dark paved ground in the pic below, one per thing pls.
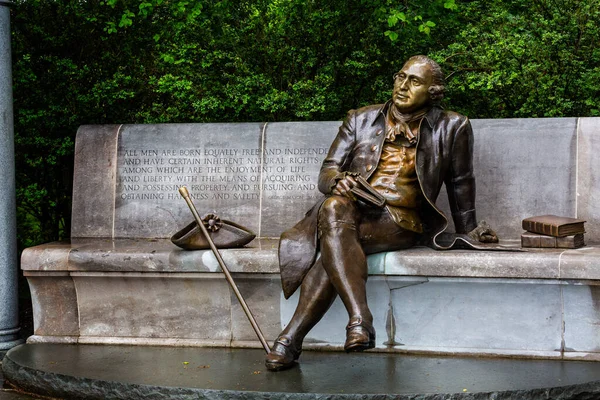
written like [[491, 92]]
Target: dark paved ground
[[118, 369]]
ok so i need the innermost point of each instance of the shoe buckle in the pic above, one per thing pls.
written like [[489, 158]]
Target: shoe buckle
[[355, 321], [284, 341]]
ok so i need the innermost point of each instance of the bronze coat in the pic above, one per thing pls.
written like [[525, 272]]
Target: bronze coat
[[444, 155]]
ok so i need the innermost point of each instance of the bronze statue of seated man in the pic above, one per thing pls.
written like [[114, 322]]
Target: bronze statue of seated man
[[405, 149]]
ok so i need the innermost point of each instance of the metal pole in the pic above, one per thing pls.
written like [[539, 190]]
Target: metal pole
[[9, 314], [186, 196]]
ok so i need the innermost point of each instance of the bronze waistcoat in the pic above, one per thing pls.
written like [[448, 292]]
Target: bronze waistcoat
[[396, 179]]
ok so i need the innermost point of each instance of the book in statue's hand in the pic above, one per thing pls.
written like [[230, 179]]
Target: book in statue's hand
[[365, 192], [553, 225], [535, 240]]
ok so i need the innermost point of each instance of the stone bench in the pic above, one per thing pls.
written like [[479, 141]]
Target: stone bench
[[120, 280]]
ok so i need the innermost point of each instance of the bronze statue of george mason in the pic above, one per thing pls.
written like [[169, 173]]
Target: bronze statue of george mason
[[405, 149]]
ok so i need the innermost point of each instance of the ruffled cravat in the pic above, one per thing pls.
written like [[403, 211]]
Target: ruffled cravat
[[399, 124]]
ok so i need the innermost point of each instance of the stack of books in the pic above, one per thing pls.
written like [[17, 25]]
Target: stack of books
[[551, 231]]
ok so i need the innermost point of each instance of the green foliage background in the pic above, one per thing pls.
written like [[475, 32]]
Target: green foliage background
[[136, 61]]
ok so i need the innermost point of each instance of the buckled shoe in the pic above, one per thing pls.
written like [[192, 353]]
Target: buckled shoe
[[283, 355], [360, 335]]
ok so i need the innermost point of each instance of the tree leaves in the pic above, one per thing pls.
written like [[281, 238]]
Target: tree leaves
[[419, 16], [149, 61], [525, 59]]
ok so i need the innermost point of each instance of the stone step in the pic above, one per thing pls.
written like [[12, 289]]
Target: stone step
[[143, 372]]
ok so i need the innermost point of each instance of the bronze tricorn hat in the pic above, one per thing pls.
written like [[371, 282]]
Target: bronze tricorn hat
[[225, 234]]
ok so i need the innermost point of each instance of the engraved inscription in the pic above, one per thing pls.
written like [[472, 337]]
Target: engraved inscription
[[215, 174]]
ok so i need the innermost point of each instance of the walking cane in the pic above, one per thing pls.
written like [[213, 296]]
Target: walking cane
[[186, 196]]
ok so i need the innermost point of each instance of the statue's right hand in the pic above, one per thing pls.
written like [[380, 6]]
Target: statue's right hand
[[344, 187]]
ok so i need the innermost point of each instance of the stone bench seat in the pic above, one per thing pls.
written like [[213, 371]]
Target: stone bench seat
[[260, 257], [149, 292], [119, 280]]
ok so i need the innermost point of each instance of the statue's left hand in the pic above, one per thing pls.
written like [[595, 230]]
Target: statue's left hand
[[484, 233], [344, 187]]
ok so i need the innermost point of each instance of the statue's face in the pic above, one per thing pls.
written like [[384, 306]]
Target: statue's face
[[411, 87]]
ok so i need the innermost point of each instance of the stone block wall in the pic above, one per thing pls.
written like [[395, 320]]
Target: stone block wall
[[264, 176]]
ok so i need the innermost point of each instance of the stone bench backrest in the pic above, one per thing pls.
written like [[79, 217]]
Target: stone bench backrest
[[264, 176]]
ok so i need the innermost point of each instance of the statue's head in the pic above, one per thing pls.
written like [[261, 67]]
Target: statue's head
[[419, 84]]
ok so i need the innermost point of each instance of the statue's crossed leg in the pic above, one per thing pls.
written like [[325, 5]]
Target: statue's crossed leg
[[341, 269]]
